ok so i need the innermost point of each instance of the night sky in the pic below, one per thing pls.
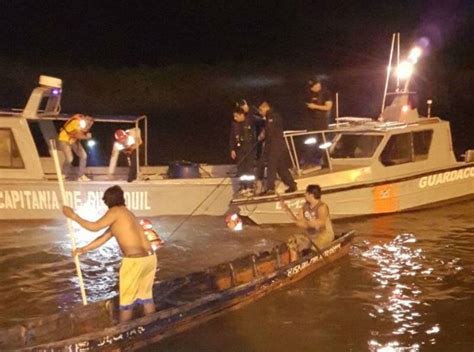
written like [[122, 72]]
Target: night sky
[[157, 33], [188, 41]]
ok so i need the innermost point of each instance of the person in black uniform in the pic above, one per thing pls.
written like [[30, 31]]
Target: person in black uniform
[[242, 147], [318, 106], [275, 151]]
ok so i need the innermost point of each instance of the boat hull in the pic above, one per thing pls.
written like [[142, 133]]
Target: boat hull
[[373, 198], [42, 200]]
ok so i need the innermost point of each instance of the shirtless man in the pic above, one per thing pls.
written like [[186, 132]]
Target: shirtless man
[[137, 272]]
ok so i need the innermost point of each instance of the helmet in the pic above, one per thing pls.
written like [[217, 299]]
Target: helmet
[[121, 136]]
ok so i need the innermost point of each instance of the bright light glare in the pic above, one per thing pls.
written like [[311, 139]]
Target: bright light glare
[[325, 145], [247, 178], [414, 55], [310, 141], [405, 108], [405, 70], [82, 124], [91, 143], [239, 227], [118, 146], [130, 140]]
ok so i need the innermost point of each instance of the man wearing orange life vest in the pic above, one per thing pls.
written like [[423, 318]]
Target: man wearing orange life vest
[[70, 136], [126, 142]]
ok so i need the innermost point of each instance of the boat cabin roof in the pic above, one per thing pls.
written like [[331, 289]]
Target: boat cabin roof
[[361, 142], [65, 117]]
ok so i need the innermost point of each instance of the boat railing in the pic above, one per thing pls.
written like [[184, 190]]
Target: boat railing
[[135, 121]]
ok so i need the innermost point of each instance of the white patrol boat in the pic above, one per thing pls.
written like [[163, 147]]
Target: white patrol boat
[[28, 182], [398, 162]]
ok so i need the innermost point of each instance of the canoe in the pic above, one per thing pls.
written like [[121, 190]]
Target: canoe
[[182, 303]]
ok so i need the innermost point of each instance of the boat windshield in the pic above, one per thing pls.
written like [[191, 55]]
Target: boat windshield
[[308, 150], [354, 145]]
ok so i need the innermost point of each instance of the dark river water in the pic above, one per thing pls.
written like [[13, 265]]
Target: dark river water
[[407, 284]]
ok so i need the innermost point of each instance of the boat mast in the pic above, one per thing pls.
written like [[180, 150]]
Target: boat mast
[[398, 59], [389, 69]]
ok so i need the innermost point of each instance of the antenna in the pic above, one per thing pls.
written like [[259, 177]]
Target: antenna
[[389, 69]]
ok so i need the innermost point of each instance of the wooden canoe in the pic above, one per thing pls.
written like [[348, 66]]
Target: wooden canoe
[[182, 303]]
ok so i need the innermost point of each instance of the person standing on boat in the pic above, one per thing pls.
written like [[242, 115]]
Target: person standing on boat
[[137, 272], [314, 218], [70, 136], [126, 142], [275, 151], [242, 147], [318, 106]]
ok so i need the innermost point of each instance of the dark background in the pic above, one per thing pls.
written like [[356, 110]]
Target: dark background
[[184, 63]]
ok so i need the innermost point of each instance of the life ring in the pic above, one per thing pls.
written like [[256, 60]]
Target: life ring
[[234, 222]]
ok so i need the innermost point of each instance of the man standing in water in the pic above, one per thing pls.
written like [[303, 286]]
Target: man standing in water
[[137, 272]]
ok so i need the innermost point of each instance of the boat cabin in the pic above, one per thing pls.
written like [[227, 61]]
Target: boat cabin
[[25, 133], [361, 149]]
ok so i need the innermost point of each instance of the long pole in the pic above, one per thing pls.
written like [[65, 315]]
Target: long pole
[[54, 152], [137, 155]]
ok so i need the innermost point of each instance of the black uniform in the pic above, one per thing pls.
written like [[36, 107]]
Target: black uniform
[[242, 141], [276, 152], [318, 120]]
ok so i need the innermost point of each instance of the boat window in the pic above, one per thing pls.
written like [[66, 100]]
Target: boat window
[[310, 150], [354, 146], [398, 150], [38, 129], [422, 143], [10, 157]]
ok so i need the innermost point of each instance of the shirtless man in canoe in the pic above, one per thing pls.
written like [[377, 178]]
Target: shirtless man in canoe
[[137, 272]]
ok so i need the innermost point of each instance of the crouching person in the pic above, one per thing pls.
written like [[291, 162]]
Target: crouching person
[[137, 272]]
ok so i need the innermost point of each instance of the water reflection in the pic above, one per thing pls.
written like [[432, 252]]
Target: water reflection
[[399, 310]]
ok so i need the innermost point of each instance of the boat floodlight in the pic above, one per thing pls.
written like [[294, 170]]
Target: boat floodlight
[[325, 145], [91, 143], [310, 141], [405, 70]]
